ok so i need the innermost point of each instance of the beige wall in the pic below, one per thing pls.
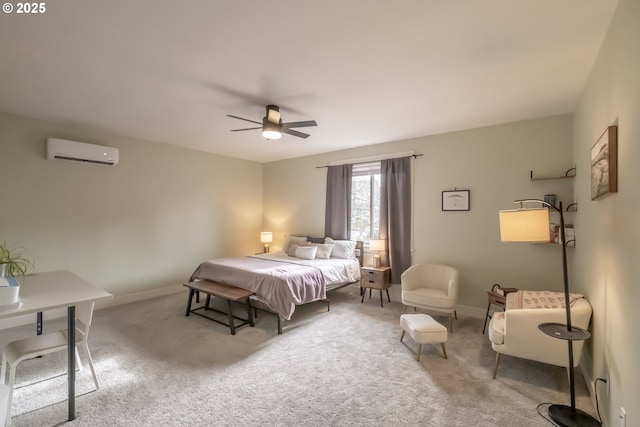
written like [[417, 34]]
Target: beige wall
[[493, 162], [143, 224], [607, 264]]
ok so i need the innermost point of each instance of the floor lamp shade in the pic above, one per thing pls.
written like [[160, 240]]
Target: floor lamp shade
[[524, 225]]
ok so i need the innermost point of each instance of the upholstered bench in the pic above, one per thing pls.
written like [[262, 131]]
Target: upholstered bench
[[423, 329]]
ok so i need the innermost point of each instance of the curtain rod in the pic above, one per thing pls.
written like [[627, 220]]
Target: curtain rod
[[369, 161]]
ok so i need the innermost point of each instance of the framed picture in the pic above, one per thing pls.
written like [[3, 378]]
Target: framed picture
[[457, 200], [604, 164]]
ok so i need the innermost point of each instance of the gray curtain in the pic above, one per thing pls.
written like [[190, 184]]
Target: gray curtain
[[395, 214], [337, 217]]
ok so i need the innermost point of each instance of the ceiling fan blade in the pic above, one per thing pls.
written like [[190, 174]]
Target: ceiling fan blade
[[238, 130], [306, 123], [242, 118], [295, 133]]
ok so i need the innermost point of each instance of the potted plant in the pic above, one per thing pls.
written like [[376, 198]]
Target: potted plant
[[12, 262]]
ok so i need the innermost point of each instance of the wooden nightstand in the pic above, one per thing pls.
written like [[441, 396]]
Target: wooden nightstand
[[378, 278], [496, 296]]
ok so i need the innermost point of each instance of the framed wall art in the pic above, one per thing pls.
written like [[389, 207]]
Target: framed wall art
[[604, 164], [457, 200]]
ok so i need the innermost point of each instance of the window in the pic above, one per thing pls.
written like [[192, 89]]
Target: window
[[365, 201]]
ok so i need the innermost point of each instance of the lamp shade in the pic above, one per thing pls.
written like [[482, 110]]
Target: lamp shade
[[266, 237], [524, 225], [376, 245]]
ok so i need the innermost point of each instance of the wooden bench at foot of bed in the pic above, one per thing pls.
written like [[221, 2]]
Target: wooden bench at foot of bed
[[226, 292]]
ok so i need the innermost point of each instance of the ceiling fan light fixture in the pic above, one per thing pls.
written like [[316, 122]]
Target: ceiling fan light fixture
[[271, 134], [273, 127], [271, 130]]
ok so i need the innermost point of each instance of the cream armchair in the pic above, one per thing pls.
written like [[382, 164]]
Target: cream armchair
[[515, 332], [431, 287]]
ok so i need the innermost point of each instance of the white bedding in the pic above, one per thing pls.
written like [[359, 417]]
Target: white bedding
[[336, 271]]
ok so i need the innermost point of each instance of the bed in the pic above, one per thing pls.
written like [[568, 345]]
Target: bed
[[303, 272]]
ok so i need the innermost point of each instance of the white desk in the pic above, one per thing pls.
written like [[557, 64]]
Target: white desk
[[57, 289]]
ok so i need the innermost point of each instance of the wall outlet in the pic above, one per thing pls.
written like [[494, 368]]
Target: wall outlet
[[623, 417]]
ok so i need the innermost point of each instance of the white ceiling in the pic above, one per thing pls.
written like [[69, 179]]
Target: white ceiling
[[368, 72]]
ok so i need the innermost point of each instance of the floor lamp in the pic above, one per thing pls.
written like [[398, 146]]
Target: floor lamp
[[532, 226]]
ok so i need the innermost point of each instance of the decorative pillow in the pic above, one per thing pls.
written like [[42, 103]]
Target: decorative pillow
[[342, 249], [293, 241], [324, 250], [306, 252], [291, 251]]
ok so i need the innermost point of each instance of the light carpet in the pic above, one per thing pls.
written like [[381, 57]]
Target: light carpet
[[344, 367]]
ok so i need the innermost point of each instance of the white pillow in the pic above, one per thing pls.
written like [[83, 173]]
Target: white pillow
[[343, 248], [306, 252], [324, 250], [293, 241]]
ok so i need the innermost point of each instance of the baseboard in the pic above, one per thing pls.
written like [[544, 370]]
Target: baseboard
[[139, 296], [117, 300], [467, 310], [395, 291]]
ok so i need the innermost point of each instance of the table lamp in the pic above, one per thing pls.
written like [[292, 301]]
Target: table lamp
[[266, 237], [377, 246]]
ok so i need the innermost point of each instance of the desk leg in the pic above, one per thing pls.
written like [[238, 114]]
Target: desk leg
[[39, 323], [71, 355]]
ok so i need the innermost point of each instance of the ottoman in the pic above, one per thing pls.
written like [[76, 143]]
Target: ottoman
[[423, 329]]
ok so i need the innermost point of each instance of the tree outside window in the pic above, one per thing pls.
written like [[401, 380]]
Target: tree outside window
[[365, 201]]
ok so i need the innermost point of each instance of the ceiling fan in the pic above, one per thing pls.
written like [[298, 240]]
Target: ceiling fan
[[272, 126]]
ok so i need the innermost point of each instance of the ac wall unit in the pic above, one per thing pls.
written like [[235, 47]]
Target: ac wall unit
[[62, 149]]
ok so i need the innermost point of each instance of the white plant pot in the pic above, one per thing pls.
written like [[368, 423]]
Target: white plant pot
[[9, 288]]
